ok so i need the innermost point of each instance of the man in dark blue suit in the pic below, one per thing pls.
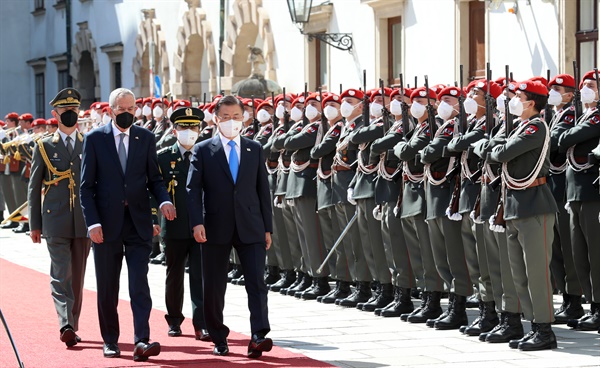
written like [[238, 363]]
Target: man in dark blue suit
[[229, 205], [119, 168]]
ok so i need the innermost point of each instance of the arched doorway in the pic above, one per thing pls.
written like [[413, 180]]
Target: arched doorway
[[86, 80], [84, 66]]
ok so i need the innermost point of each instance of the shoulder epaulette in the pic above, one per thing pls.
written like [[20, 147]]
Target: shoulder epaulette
[[163, 150]]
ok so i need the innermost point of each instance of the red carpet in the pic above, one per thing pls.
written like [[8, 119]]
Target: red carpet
[[29, 312]]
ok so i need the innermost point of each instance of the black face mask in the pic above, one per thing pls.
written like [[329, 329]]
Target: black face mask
[[124, 120], [68, 118]]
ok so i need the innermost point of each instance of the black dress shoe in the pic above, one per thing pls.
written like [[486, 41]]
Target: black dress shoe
[[111, 351], [143, 350], [68, 336], [221, 349], [158, 259], [9, 225], [174, 331], [77, 338], [22, 228], [258, 344], [202, 335]]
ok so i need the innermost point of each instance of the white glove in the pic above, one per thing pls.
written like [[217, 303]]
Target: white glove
[[2, 134], [377, 213], [350, 196], [290, 202], [396, 211], [276, 202], [27, 139]]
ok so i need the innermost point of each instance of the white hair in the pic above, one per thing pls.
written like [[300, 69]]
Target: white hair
[[117, 93]]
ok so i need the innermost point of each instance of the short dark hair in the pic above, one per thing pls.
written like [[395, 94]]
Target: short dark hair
[[229, 100], [538, 100]]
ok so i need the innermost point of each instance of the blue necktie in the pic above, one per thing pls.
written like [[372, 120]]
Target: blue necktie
[[122, 153], [233, 161]]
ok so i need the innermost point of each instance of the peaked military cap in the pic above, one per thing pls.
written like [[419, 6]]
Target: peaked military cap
[[187, 117], [67, 97]]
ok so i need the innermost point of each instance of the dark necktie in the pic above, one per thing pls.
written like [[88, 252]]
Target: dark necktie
[[69, 146], [186, 156], [122, 152]]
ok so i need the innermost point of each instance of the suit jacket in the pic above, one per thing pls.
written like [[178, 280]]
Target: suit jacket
[[54, 215], [105, 189], [222, 206]]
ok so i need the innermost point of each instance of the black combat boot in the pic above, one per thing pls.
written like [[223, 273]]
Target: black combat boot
[[496, 328], [341, 291], [472, 302], [424, 297], [404, 304], [395, 301], [385, 297], [431, 310], [235, 273], [457, 316], [361, 294], [543, 339], [272, 275], [431, 322], [320, 288], [592, 323], [298, 281], [375, 291], [155, 250], [287, 279], [487, 320], [241, 281], [475, 323], [303, 286], [512, 329], [570, 309]]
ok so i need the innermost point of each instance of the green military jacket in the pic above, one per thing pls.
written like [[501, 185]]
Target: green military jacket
[[387, 190], [325, 151], [563, 120], [279, 153], [302, 183], [347, 153], [364, 183]]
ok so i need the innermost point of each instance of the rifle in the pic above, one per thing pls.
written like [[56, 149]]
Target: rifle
[[490, 103], [341, 90], [365, 111], [304, 120], [597, 87], [430, 112], [508, 118], [404, 105], [462, 114], [204, 123], [255, 122], [576, 93], [385, 113], [324, 121], [548, 109], [286, 114]]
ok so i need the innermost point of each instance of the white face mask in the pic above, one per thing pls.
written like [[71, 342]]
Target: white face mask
[[417, 110], [246, 115], [500, 102], [396, 107], [187, 137], [376, 109], [207, 116], [554, 98], [263, 116], [470, 106], [296, 114], [311, 112], [279, 111], [331, 112], [146, 110], [515, 106], [157, 112], [138, 113], [106, 119], [94, 115], [169, 112], [346, 109], [231, 128], [587, 95], [445, 110]]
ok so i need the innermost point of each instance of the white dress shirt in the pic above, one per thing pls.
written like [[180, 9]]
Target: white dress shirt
[[227, 148], [116, 133], [73, 136]]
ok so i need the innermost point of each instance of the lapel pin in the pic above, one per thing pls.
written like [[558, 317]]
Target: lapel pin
[[55, 155], [248, 149], [136, 137]]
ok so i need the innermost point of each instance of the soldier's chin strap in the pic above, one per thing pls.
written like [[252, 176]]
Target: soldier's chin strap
[[58, 176]]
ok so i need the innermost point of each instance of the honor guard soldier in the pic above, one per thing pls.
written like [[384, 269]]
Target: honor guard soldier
[[169, 139], [55, 175], [387, 191], [302, 190], [15, 193], [208, 130], [51, 125], [413, 209], [584, 200], [529, 212], [174, 163], [325, 151], [562, 88]]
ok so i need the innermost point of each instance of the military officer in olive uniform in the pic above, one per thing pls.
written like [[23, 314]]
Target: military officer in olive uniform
[[529, 212], [174, 163], [55, 173]]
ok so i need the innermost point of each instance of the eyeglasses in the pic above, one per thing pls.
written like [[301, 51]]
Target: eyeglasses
[[237, 117], [121, 109]]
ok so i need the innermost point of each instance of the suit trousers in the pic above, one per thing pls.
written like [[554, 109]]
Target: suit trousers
[[357, 264], [309, 232], [176, 252], [530, 250], [215, 260], [396, 251], [471, 249], [449, 255], [586, 252], [562, 264], [7, 191], [281, 244], [2, 201], [68, 259], [372, 241], [416, 233], [331, 230], [108, 259], [291, 229]]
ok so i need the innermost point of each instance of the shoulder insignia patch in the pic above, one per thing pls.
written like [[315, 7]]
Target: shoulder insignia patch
[[448, 131], [399, 129], [531, 129], [335, 132], [311, 129], [595, 120], [569, 119]]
